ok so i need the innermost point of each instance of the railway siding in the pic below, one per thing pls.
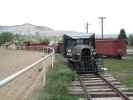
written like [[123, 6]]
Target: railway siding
[[98, 89]]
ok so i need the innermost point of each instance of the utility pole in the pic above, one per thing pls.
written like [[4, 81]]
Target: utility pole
[[102, 18], [87, 27]]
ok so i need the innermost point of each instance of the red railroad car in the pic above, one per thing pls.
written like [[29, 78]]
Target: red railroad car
[[35, 46], [39, 46], [111, 47]]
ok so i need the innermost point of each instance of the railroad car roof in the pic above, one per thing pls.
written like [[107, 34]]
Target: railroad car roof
[[78, 35]]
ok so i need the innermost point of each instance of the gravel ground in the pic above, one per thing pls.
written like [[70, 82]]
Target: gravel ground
[[23, 87]]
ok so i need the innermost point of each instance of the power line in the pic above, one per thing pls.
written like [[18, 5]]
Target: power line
[[102, 18]]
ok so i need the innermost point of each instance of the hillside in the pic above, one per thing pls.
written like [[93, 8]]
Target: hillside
[[25, 29], [29, 29]]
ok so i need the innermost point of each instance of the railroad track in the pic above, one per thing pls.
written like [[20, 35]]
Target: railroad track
[[100, 87]]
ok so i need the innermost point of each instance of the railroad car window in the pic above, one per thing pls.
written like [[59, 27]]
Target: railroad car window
[[86, 41], [79, 41], [71, 43]]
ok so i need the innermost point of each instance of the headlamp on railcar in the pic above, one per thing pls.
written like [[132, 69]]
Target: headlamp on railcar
[[69, 52], [94, 52]]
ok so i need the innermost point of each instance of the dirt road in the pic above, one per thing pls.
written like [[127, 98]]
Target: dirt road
[[22, 87]]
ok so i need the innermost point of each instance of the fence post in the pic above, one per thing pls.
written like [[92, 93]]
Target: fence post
[[43, 50], [44, 76], [52, 57]]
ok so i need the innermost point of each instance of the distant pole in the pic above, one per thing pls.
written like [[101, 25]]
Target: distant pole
[[87, 27], [102, 18]]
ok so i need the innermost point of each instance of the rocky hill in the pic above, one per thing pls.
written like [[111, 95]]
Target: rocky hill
[[42, 30], [26, 29]]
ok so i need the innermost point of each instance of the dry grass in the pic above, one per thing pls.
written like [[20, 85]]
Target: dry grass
[[12, 61]]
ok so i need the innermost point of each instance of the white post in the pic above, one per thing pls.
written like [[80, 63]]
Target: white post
[[47, 50], [44, 76], [43, 50], [52, 58], [52, 61]]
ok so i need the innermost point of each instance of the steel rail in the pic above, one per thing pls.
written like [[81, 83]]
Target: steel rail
[[85, 89], [116, 90], [13, 76]]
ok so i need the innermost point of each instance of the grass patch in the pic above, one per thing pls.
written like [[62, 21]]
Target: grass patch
[[130, 47], [121, 69], [57, 81]]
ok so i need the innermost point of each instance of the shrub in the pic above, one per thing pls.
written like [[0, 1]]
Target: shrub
[[57, 81], [122, 35], [6, 37], [130, 39]]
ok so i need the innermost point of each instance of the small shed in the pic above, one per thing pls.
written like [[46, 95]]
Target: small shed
[[12, 46]]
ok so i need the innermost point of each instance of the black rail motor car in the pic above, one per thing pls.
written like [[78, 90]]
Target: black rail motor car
[[79, 49]]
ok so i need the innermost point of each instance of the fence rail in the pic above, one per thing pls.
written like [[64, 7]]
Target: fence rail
[[14, 75]]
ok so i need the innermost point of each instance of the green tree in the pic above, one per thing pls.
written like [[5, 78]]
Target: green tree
[[19, 39], [6, 37], [122, 35]]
